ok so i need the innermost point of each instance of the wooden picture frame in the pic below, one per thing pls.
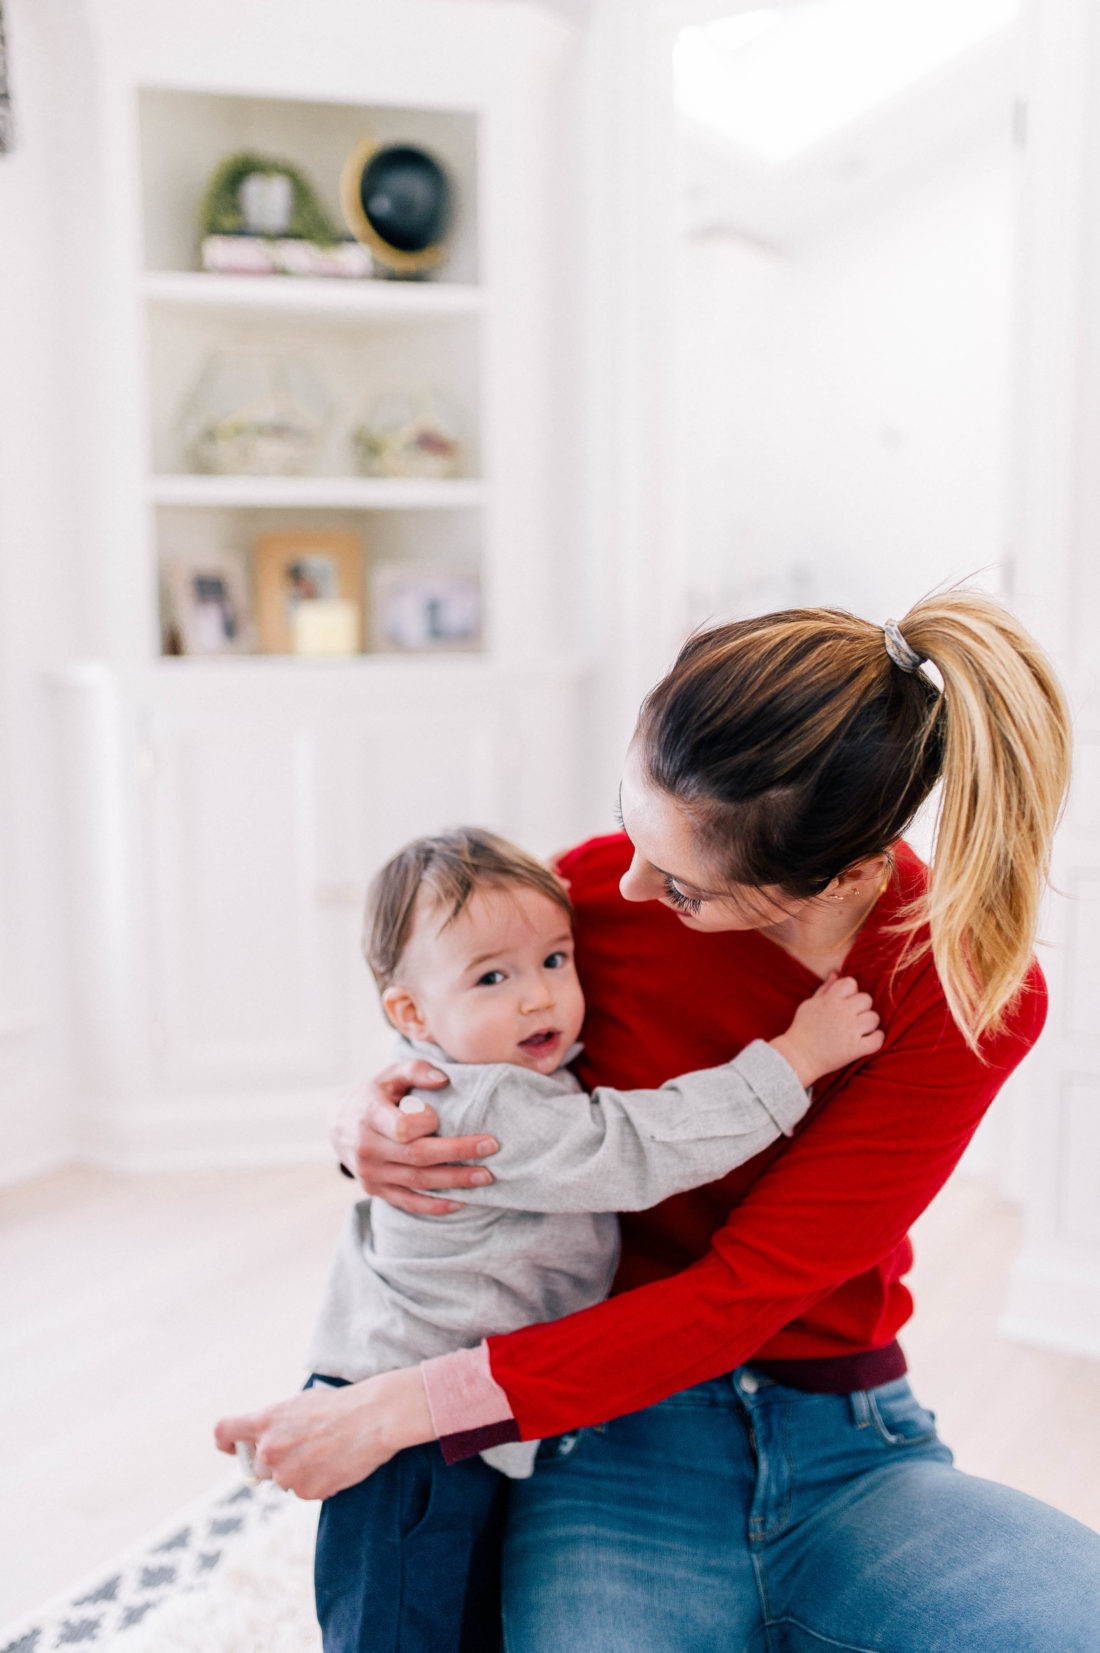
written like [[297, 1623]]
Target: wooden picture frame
[[207, 605], [322, 566]]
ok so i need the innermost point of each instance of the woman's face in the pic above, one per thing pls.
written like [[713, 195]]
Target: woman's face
[[669, 866]]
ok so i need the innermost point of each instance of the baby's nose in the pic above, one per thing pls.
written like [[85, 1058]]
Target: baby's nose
[[538, 994]]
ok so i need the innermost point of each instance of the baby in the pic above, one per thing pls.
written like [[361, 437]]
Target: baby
[[470, 942]]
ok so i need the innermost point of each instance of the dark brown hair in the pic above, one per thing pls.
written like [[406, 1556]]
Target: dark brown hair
[[799, 747], [451, 866]]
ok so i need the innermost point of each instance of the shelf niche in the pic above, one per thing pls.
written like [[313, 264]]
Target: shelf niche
[[362, 338]]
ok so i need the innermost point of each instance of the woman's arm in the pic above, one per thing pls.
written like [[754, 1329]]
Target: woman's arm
[[835, 1203], [323, 1440]]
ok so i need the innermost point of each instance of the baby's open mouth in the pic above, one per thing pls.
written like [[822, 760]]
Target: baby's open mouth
[[541, 1041]]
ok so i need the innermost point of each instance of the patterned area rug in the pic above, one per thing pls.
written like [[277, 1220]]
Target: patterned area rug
[[231, 1574]]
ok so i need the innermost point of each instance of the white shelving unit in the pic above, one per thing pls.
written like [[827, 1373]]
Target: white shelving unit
[[230, 810], [309, 296], [335, 493], [355, 340]]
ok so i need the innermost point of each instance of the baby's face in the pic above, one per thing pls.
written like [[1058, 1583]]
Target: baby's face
[[497, 984]]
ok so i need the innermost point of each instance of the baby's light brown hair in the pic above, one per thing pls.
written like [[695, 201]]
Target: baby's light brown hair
[[453, 866]]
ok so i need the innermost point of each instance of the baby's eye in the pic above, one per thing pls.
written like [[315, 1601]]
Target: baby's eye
[[555, 961], [491, 978]]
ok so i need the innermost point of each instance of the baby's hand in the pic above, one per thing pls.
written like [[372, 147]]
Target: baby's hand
[[838, 1025]]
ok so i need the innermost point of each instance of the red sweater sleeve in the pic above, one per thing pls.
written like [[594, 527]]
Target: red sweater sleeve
[[836, 1202]]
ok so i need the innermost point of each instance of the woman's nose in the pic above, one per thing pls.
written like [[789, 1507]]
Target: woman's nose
[[640, 881]]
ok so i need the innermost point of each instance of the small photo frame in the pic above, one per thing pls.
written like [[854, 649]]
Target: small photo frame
[[309, 592], [416, 609], [207, 607]]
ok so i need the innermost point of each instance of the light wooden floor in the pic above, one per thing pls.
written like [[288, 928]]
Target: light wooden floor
[[134, 1311]]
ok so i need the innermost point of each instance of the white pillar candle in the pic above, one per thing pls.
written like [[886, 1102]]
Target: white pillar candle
[[325, 625]]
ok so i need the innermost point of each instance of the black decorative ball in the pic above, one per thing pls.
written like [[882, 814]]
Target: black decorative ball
[[406, 198]]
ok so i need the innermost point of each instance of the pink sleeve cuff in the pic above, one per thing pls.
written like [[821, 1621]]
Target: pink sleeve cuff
[[469, 1409]]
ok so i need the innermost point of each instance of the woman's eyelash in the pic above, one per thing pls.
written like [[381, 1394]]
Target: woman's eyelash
[[617, 812], [685, 903]]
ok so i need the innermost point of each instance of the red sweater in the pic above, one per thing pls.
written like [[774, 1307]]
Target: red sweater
[[797, 1256]]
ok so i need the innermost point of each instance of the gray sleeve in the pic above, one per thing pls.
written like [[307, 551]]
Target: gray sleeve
[[626, 1150]]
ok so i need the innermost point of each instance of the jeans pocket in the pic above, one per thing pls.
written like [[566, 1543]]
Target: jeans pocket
[[417, 1488], [896, 1415]]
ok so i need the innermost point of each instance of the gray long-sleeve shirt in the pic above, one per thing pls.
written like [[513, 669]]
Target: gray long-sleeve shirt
[[541, 1239]]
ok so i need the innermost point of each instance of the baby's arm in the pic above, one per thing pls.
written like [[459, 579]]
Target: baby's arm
[[627, 1150]]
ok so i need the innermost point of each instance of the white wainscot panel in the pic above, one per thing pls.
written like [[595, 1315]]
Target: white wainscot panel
[[246, 989], [1082, 965], [383, 782], [425, 776], [1079, 1206], [1086, 781]]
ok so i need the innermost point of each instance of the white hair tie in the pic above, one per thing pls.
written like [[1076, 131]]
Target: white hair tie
[[899, 651]]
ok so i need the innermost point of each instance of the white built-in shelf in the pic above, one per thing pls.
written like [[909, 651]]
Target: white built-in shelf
[[308, 296], [334, 493]]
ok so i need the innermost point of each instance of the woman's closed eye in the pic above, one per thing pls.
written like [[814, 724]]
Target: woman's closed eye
[[684, 903]]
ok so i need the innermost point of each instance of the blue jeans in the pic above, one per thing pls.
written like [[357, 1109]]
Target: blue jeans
[[745, 1517]]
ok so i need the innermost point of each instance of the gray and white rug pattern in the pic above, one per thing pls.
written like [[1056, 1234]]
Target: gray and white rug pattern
[[231, 1574]]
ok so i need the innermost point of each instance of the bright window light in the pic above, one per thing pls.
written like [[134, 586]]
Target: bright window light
[[778, 79]]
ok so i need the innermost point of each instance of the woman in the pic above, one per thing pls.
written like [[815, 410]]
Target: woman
[[767, 1479]]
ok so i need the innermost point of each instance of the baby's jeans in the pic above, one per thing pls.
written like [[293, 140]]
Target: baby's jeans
[[408, 1561]]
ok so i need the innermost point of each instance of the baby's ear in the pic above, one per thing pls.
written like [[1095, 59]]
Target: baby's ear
[[404, 1012]]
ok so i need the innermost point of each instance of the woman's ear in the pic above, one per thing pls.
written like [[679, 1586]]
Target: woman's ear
[[864, 877], [404, 1012]]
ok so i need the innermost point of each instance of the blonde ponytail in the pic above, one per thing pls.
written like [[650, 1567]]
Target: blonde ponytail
[[1005, 771]]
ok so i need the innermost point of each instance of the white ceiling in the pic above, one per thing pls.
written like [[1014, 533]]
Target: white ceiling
[[728, 188], [575, 10]]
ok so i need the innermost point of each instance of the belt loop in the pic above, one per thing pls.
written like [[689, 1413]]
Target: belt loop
[[861, 1410]]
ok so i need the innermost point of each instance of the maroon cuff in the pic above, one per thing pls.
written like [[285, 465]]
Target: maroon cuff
[[467, 1442]]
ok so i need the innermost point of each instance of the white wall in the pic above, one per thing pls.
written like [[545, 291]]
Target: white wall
[[42, 256], [843, 401], [65, 593]]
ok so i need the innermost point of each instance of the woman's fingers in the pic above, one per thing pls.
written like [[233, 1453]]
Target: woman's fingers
[[407, 1186], [442, 1150], [322, 1440], [422, 1205], [394, 1153], [372, 1108], [394, 1083], [245, 1426]]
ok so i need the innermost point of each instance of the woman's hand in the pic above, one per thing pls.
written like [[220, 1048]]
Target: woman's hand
[[394, 1154], [323, 1440]]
